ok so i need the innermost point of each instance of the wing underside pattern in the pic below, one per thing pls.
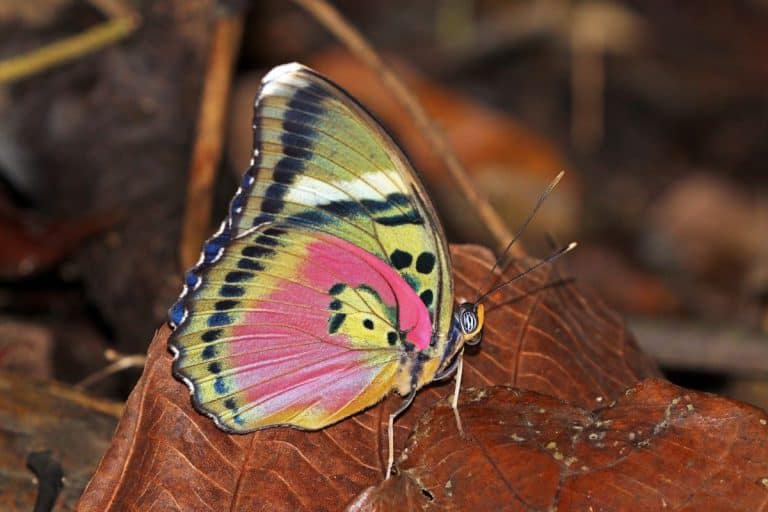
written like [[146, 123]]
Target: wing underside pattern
[[330, 267]]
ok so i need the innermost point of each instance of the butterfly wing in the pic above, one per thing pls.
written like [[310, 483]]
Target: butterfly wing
[[321, 161], [329, 275], [292, 327]]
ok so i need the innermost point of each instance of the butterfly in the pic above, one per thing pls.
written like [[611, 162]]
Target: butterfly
[[329, 283]]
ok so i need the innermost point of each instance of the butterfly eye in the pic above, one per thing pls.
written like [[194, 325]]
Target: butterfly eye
[[471, 321], [468, 321]]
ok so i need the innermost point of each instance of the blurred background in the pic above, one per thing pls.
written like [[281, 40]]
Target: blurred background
[[656, 110]]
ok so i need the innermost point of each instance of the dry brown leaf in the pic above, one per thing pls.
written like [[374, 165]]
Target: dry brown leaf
[[37, 416], [658, 447], [165, 456]]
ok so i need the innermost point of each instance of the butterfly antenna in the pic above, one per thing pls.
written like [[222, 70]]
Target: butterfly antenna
[[521, 229], [549, 259]]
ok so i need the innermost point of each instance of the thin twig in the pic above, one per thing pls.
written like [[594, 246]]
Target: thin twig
[[120, 363], [121, 22], [353, 39], [211, 127]]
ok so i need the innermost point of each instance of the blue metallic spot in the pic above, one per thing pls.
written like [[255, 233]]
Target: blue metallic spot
[[176, 313], [219, 319], [247, 180], [220, 386], [213, 246], [190, 279]]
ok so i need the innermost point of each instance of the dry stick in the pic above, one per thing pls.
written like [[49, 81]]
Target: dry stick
[[587, 91], [206, 153], [341, 28], [121, 23], [122, 363]]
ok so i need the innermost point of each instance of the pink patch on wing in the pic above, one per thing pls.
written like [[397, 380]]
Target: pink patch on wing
[[284, 352]]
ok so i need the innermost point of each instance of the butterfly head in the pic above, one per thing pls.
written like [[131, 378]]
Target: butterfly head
[[470, 316]]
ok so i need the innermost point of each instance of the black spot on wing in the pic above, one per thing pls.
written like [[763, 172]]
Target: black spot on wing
[[343, 208], [230, 290], [300, 122], [224, 305], [399, 220], [425, 262], [256, 251], [273, 198], [261, 219], [249, 264], [335, 323], [297, 152], [310, 218], [238, 276], [426, 297], [219, 319], [212, 335], [286, 169], [400, 259], [209, 352]]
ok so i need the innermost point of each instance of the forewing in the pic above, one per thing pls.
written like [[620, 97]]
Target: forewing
[[323, 163]]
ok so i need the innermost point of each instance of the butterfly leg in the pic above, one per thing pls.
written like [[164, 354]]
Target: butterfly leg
[[455, 401], [391, 430]]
